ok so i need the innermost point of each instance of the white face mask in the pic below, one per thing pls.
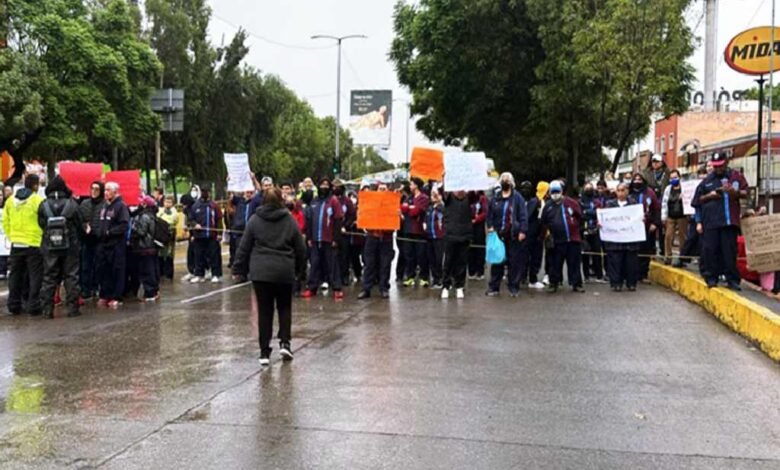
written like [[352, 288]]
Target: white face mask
[[194, 194], [556, 196]]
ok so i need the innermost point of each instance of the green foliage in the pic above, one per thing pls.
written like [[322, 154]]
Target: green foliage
[[543, 85], [752, 94], [364, 161]]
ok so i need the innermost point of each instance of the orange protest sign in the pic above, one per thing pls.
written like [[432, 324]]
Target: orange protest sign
[[378, 210], [427, 164]]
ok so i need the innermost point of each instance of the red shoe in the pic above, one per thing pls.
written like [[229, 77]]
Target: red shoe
[[103, 303], [57, 299], [338, 295], [308, 294], [82, 302]]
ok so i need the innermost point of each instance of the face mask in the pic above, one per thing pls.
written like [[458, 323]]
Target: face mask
[[324, 191], [675, 181], [527, 194], [637, 186], [506, 186], [556, 196], [589, 192], [307, 196], [290, 205], [194, 194], [339, 191]]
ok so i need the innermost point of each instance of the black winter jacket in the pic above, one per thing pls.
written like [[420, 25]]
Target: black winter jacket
[[457, 219], [272, 248], [62, 206]]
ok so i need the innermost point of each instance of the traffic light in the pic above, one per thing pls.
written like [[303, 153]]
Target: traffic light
[[336, 167]]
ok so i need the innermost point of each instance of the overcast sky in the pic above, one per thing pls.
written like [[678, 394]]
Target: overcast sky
[[280, 31]]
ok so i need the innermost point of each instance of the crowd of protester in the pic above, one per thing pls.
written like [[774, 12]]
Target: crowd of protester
[[105, 249]]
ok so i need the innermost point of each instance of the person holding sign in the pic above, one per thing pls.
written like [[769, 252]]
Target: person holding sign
[[378, 256], [622, 258], [563, 219], [718, 198], [673, 215], [508, 217], [458, 235]]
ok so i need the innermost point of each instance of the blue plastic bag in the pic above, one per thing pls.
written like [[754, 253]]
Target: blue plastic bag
[[495, 253]]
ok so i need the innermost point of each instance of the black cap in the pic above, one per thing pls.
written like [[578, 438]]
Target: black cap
[[719, 159]]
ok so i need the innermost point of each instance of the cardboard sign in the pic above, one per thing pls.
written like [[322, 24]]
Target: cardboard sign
[[762, 242], [688, 191], [378, 210], [238, 172], [465, 171], [427, 164], [622, 224], [80, 176], [129, 184]]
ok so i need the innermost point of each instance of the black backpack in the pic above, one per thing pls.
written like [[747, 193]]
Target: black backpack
[[56, 234], [162, 232]]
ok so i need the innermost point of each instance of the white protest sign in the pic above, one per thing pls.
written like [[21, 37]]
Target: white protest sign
[[622, 224], [465, 171], [688, 191], [238, 172]]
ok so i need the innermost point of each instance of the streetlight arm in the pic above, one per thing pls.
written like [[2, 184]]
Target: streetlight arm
[[339, 39]]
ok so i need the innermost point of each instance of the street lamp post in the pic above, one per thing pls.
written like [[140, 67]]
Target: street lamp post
[[339, 40]]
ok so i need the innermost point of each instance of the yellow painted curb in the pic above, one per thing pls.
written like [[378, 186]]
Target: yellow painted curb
[[747, 318]]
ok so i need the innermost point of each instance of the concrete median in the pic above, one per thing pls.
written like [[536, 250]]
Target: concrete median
[[756, 322]]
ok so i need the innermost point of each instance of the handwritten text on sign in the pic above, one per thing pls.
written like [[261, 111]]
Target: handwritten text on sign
[[378, 210], [762, 243], [465, 171], [238, 172], [622, 224]]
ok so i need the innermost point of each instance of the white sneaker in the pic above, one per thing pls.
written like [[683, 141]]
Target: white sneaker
[[324, 286], [445, 294], [546, 280], [460, 294], [196, 280], [264, 361], [536, 285], [187, 277], [215, 280]]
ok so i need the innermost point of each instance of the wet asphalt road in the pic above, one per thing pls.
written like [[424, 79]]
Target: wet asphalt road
[[599, 380]]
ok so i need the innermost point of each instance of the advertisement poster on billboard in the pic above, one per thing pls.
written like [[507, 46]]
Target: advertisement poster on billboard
[[370, 116]]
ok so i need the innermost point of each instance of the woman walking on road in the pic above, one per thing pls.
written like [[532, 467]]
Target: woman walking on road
[[272, 254]]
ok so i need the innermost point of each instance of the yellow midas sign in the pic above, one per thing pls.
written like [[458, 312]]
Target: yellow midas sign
[[749, 51]]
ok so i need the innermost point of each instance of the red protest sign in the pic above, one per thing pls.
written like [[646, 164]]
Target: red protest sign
[[80, 176], [129, 182]]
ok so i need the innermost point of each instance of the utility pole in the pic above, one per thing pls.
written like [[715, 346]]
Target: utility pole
[[339, 40], [710, 53], [770, 185]]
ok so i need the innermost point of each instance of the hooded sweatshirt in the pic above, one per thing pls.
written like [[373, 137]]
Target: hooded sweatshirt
[[20, 219], [60, 203], [90, 212], [272, 248]]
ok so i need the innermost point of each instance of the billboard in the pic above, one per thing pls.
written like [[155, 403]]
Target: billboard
[[370, 116], [749, 52]]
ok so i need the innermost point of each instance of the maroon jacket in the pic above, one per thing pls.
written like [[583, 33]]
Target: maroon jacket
[[414, 209], [563, 220], [479, 210]]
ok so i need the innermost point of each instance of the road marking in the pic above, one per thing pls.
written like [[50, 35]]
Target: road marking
[[212, 293]]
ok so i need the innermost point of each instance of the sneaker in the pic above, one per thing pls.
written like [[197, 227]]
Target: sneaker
[[492, 293], [423, 283], [445, 293], [481, 277], [536, 285], [216, 280], [436, 286], [552, 289], [265, 361], [308, 294], [114, 304], [459, 294], [600, 280], [631, 288], [546, 280], [617, 288], [578, 289], [384, 294], [409, 282], [197, 280], [81, 302], [712, 284], [324, 286], [364, 295], [187, 277], [338, 295], [285, 351], [514, 293], [152, 299]]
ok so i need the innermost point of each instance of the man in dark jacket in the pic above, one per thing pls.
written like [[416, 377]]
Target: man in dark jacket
[[591, 264], [508, 217], [350, 217], [323, 232], [60, 219], [144, 249], [378, 256], [717, 198], [241, 217], [205, 218], [112, 248], [90, 215], [479, 210], [563, 219], [271, 254], [458, 234], [534, 251]]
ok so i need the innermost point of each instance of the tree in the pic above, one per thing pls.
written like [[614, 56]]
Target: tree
[[470, 68], [364, 160], [91, 74], [752, 94]]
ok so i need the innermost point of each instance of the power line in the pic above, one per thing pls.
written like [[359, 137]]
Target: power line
[[272, 41], [352, 69]]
